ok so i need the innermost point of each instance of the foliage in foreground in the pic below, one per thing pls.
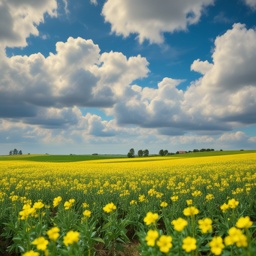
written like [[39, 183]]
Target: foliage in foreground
[[202, 206]]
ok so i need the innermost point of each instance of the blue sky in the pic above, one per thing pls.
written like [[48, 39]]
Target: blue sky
[[105, 76]]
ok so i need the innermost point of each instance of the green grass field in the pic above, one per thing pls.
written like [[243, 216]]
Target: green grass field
[[77, 158], [58, 158]]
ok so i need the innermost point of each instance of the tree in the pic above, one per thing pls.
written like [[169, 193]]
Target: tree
[[166, 152], [140, 153], [161, 152], [145, 152], [15, 152], [131, 153]]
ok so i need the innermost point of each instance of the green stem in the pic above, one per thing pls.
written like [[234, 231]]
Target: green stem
[[193, 225], [248, 235]]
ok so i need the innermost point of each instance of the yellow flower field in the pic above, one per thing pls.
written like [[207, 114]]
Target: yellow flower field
[[153, 206]]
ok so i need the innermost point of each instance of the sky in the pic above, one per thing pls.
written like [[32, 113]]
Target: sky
[[95, 76]]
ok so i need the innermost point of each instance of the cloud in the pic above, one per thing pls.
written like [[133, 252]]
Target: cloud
[[253, 140], [226, 90], [222, 99], [95, 2], [201, 66], [237, 140], [151, 107], [19, 19], [66, 6], [221, 18], [38, 89], [235, 136], [116, 71], [99, 128], [150, 19], [76, 75], [165, 109], [251, 3], [53, 118]]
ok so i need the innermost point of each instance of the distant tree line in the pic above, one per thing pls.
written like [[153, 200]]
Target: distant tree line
[[15, 152], [165, 152], [203, 150], [141, 153]]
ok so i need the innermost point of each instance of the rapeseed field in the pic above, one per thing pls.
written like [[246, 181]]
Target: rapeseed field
[[141, 206]]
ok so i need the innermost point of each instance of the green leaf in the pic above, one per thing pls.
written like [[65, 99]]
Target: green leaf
[[98, 239]]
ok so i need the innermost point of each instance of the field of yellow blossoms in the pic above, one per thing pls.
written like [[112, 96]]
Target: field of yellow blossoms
[[141, 206]]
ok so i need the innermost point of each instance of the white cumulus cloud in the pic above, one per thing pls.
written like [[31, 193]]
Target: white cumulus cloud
[[19, 19], [149, 19], [77, 75], [228, 87]]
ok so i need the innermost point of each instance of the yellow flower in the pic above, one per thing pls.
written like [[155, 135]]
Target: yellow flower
[[232, 203], [142, 198], [224, 207], [244, 222], [179, 224], [197, 193], [205, 225], [189, 202], [14, 198], [31, 253], [163, 204], [242, 241], [87, 213], [174, 198], [209, 197], [190, 211], [150, 218], [159, 194], [41, 243], [189, 244], [234, 233], [228, 240], [151, 192], [109, 207], [133, 202], [27, 211], [216, 245], [53, 233], [85, 205], [151, 237], [68, 204], [236, 237], [164, 243], [38, 205], [71, 237], [56, 201]]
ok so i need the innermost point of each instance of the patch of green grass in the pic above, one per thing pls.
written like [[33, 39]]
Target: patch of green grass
[[213, 153], [58, 158]]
